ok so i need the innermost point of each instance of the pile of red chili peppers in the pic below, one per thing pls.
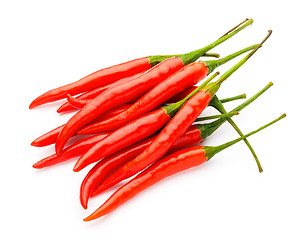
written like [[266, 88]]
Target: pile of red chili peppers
[[141, 117]]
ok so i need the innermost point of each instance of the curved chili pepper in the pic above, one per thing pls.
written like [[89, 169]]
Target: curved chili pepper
[[175, 127], [165, 167], [182, 79], [83, 145], [72, 151], [108, 75], [165, 139], [112, 162], [132, 132], [51, 136], [79, 103], [205, 129], [90, 95], [94, 80], [94, 93], [116, 96], [134, 88], [76, 103]]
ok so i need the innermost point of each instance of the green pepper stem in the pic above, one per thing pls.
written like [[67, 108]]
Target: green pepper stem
[[247, 102], [216, 55], [212, 88], [163, 57], [213, 64], [239, 64], [230, 114], [209, 128], [225, 100], [235, 27], [218, 105], [194, 55], [210, 151], [174, 107]]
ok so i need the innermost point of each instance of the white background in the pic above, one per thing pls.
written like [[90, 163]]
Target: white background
[[45, 44]]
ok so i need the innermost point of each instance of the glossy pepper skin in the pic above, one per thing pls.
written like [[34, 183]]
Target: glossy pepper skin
[[176, 126], [164, 140], [72, 151], [109, 164], [117, 96], [136, 87], [100, 78], [185, 77], [123, 137], [133, 131], [87, 96], [51, 136], [114, 73], [76, 103], [165, 167], [182, 79]]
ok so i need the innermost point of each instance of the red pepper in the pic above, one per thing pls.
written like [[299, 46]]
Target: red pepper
[[175, 128], [165, 139], [131, 133], [111, 163], [72, 151], [109, 75], [51, 136], [165, 167], [205, 131], [84, 98], [134, 88], [94, 93], [100, 78], [80, 147], [182, 79], [76, 103]]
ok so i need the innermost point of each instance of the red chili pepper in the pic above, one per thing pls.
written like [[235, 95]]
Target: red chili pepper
[[82, 146], [79, 103], [132, 132], [102, 77], [51, 136], [79, 148], [76, 103], [109, 75], [94, 93], [175, 127], [72, 151], [182, 79], [205, 130], [165, 167], [111, 163], [90, 95], [165, 139], [134, 88]]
